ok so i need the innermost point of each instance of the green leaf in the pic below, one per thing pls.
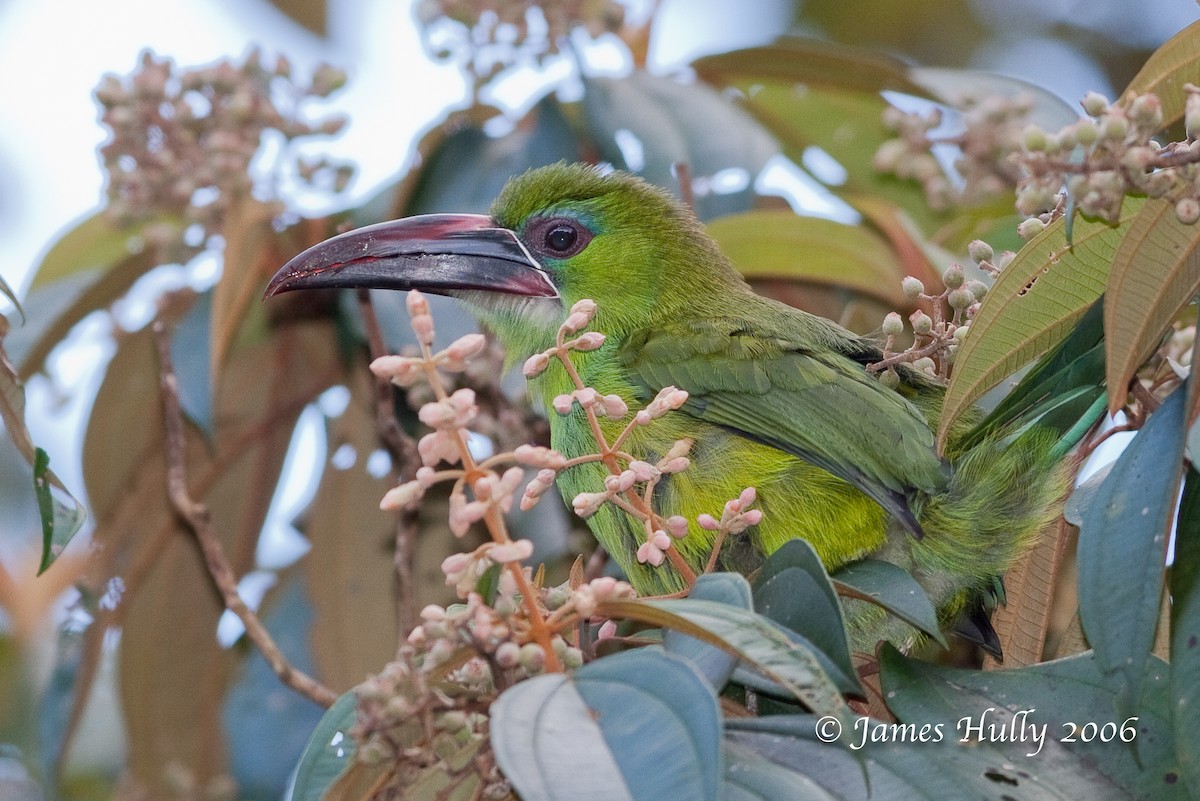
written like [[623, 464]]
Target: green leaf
[[329, 751], [779, 244], [1074, 366], [467, 169], [94, 243], [55, 308], [751, 777], [1121, 549], [892, 588], [782, 656], [1154, 274], [1066, 691], [637, 725], [1166, 71], [1033, 306], [549, 746], [647, 123], [903, 763], [713, 663], [60, 513], [660, 720], [1185, 632], [793, 589], [811, 62]]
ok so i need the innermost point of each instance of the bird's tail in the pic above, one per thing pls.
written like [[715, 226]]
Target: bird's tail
[[1003, 492]]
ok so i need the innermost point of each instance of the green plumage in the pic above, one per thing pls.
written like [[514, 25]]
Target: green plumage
[[779, 400]]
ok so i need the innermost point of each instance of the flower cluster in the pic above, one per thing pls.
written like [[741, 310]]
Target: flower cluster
[[1108, 153], [991, 131], [485, 36], [182, 142], [429, 707], [941, 321]]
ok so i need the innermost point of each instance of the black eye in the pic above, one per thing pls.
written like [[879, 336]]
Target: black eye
[[561, 238], [557, 237]]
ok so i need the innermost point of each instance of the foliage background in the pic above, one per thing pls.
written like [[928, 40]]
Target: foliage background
[[195, 712]]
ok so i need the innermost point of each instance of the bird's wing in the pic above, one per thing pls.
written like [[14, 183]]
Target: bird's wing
[[804, 392]]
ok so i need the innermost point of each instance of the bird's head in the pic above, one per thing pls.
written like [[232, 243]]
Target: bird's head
[[555, 235]]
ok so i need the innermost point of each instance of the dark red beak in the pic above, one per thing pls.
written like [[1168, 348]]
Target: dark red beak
[[437, 253]]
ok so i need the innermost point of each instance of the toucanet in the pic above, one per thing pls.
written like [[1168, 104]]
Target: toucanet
[[778, 399]]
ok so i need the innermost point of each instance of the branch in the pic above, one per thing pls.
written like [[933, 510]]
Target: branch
[[196, 516]]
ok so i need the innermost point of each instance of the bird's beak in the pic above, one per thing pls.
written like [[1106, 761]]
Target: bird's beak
[[436, 253]]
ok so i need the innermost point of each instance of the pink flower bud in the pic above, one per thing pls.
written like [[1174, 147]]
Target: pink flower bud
[[433, 612], [648, 553], [708, 522], [675, 465], [661, 539], [466, 347], [607, 630], [574, 322], [563, 404], [422, 326], [535, 365], [677, 526], [589, 341], [644, 471], [515, 551], [585, 504], [587, 397], [614, 407], [402, 496], [426, 476], [752, 517], [537, 456], [586, 307], [747, 497], [417, 305]]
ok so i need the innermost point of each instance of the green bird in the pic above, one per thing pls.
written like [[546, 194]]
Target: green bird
[[778, 399]]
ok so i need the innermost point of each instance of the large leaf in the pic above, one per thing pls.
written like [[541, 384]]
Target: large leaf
[[1033, 305], [93, 243], [646, 124], [251, 257], [793, 589], [782, 245], [811, 62], [1167, 70], [467, 168], [713, 663], [329, 752], [1074, 367], [1116, 758], [1122, 543], [60, 513], [1154, 274], [638, 725], [1022, 621], [351, 579], [1185, 632], [893, 588], [787, 660], [839, 112], [173, 674], [55, 308]]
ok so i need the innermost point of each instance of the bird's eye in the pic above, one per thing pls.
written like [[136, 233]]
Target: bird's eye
[[557, 237], [561, 238]]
